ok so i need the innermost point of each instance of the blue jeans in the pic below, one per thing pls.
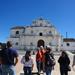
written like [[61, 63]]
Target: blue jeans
[[38, 66], [48, 71], [27, 70], [8, 70]]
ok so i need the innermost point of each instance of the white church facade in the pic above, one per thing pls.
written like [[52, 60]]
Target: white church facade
[[40, 33]]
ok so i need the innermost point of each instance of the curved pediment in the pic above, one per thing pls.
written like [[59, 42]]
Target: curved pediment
[[41, 22]]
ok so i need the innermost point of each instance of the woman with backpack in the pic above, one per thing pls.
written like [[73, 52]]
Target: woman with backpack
[[49, 61], [28, 63]]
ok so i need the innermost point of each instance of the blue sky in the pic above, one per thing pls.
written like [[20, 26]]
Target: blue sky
[[61, 13]]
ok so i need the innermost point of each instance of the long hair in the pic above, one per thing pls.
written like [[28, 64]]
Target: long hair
[[27, 55]]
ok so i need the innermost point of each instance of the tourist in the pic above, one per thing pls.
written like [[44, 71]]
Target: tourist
[[40, 59], [27, 61], [49, 60], [64, 62], [9, 60]]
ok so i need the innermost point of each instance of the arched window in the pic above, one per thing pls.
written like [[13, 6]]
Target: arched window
[[68, 44], [40, 34], [17, 32]]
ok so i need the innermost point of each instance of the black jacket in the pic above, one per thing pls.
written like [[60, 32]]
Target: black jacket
[[49, 57], [64, 62]]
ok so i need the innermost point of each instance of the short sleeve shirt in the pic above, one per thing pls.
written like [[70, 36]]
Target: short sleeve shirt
[[9, 55], [27, 63]]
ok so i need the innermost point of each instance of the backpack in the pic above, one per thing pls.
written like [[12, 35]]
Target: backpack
[[50, 61]]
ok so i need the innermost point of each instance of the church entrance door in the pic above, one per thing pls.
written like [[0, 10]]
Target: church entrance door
[[40, 43]]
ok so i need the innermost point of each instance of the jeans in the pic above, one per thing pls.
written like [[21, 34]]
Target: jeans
[[48, 71], [38, 66], [8, 70], [27, 70]]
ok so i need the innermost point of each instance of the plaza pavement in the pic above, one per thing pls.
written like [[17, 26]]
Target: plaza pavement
[[56, 71]]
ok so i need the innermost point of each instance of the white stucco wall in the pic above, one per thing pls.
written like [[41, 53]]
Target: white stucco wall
[[70, 47], [41, 30]]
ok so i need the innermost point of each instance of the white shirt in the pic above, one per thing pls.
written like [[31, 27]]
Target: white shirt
[[27, 63]]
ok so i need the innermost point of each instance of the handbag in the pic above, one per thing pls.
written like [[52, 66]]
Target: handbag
[[69, 68]]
